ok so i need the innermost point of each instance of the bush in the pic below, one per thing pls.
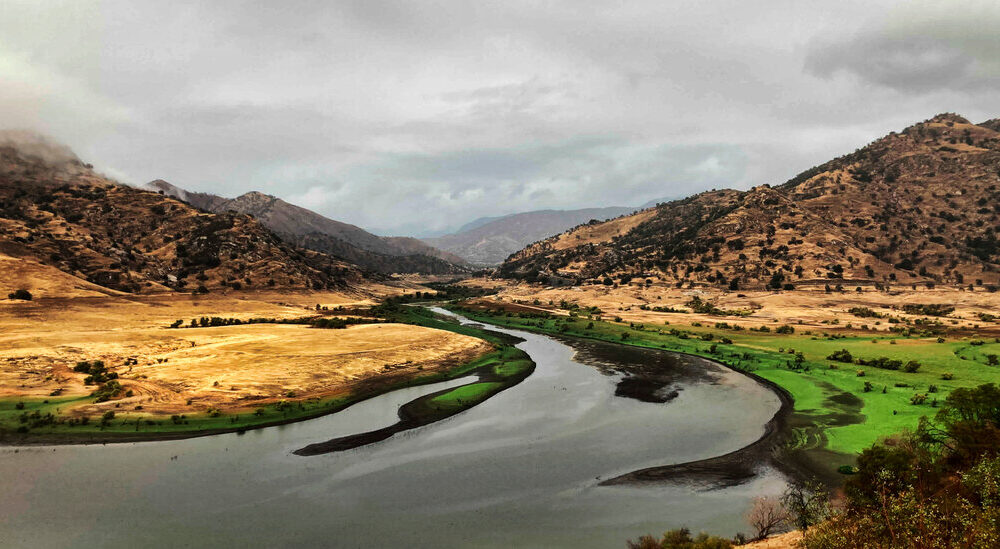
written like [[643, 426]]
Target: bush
[[23, 295], [107, 391], [680, 539], [934, 309], [842, 355], [911, 366]]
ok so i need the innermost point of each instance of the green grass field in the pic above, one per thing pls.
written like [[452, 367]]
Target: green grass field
[[832, 408], [462, 397]]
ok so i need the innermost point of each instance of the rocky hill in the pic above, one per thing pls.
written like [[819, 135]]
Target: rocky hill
[[311, 230], [921, 206], [57, 213], [489, 241]]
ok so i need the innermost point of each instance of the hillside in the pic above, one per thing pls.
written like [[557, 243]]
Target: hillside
[[488, 241], [63, 222], [916, 207], [311, 230]]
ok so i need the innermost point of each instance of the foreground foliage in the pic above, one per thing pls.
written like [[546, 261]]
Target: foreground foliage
[[937, 487], [680, 539]]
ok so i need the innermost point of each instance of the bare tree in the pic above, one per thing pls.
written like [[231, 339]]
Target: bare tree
[[766, 515]]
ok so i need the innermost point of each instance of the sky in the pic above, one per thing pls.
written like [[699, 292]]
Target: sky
[[413, 118]]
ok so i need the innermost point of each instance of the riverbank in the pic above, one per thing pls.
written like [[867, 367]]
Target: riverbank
[[501, 372], [134, 413], [796, 438], [537, 451]]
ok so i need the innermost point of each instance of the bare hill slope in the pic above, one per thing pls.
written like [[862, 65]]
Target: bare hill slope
[[57, 213], [918, 206], [309, 229]]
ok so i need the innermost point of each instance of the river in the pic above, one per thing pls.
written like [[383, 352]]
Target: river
[[522, 469]]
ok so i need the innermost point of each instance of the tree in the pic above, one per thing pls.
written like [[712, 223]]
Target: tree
[[766, 515], [807, 503]]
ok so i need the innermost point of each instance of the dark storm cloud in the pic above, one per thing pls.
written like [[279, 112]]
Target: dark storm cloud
[[413, 117], [954, 50]]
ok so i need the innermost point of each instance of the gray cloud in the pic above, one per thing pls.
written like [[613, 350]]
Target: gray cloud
[[919, 51], [410, 117]]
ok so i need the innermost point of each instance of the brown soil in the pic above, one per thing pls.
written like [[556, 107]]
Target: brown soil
[[789, 540]]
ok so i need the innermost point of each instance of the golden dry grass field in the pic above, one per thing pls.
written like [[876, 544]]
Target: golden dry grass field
[[191, 370], [808, 307]]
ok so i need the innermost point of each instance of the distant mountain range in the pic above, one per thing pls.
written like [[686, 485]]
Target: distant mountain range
[[311, 230], [489, 240], [921, 206]]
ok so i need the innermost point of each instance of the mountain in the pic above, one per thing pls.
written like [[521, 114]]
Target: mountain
[[918, 206], [489, 240], [57, 214], [311, 230]]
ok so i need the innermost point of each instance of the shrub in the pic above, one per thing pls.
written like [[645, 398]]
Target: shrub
[[842, 355], [864, 312], [680, 539], [107, 417], [23, 295], [784, 329], [947, 376], [934, 309], [107, 391], [911, 366]]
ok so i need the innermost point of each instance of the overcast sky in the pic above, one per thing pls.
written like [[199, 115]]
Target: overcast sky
[[416, 117]]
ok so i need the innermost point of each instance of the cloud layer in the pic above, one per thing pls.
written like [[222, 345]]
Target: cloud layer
[[416, 117]]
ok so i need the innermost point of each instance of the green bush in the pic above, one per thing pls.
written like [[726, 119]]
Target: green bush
[[681, 539]]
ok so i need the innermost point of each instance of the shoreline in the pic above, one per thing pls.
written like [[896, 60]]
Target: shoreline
[[16, 440], [736, 466], [731, 468]]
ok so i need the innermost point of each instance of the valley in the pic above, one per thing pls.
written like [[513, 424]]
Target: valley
[[651, 341]]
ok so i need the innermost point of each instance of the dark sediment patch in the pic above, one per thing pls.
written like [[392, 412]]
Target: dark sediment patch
[[649, 375], [651, 372], [729, 469], [641, 389]]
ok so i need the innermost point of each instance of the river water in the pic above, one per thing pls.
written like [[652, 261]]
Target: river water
[[520, 470]]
